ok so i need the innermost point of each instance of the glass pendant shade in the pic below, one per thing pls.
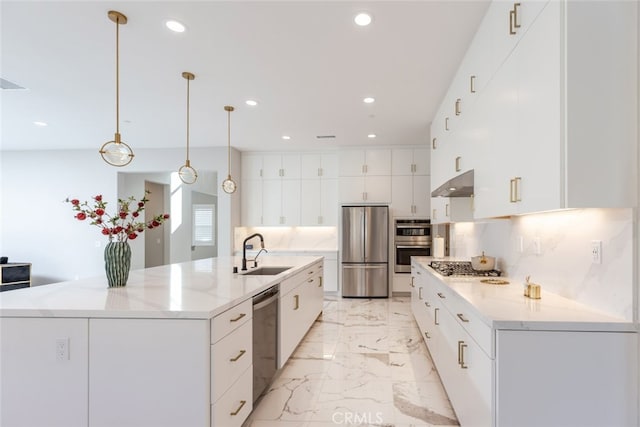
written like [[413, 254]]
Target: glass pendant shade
[[116, 152], [187, 174], [229, 186]]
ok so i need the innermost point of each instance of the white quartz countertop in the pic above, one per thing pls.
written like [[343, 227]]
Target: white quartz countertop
[[192, 290], [506, 307]]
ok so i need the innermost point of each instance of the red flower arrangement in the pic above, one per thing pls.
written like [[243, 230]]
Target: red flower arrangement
[[124, 224]]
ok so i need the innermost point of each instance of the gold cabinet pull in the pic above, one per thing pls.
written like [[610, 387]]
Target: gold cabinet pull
[[235, 359], [461, 317], [441, 295], [435, 316], [517, 184], [310, 272], [296, 298], [240, 316], [458, 163], [427, 336], [434, 144], [512, 183], [310, 281], [412, 285], [512, 14], [237, 411], [426, 303], [320, 282], [446, 209], [458, 101], [461, 347], [433, 214], [446, 123], [516, 21], [472, 84], [419, 293]]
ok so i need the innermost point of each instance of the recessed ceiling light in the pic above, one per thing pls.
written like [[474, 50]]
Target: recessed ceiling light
[[251, 102], [286, 137], [362, 19], [175, 26], [369, 100], [41, 124], [371, 135]]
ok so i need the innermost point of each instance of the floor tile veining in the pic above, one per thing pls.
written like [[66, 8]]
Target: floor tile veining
[[363, 363]]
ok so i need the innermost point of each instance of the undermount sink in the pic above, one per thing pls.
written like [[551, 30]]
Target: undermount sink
[[266, 271]]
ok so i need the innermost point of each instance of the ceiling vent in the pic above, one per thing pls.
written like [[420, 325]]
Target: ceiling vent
[[7, 85], [326, 137]]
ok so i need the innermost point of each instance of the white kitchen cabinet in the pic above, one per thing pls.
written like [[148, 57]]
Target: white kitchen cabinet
[[281, 202], [410, 161], [251, 194], [369, 189], [506, 375], [411, 195], [34, 373], [122, 349], [451, 209], [251, 166], [319, 202], [300, 303], [365, 162], [319, 165], [285, 166]]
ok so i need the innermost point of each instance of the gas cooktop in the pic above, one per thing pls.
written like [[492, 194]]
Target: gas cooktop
[[461, 268]]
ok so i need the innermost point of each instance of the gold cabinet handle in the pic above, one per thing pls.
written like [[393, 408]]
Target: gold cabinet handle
[[427, 336], [518, 183], [512, 14], [446, 123], [234, 359], [419, 293], [296, 298], [240, 316], [434, 144], [446, 209], [461, 347], [512, 183], [433, 214], [441, 295], [418, 273], [310, 281], [237, 411], [458, 101], [412, 285], [461, 317], [472, 84], [516, 21], [435, 316], [426, 303], [458, 163], [320, 282]]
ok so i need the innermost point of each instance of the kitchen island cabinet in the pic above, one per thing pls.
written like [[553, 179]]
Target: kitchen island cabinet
[[171, 348], [508, 360]]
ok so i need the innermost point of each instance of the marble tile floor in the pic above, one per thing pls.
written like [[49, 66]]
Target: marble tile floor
[[363, 363]]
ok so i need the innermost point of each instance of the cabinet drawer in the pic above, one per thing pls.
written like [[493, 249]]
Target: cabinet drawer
[[289, 284], [236, 404], [230, 320], [230, 357], [471, 323]]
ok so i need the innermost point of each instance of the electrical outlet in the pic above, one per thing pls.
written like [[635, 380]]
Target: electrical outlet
[[62, 349], [596, 251]]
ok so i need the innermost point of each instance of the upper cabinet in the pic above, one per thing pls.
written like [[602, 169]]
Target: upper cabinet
[[376, 162], [410, 161], [544, 109], [365, 176], [284, 166]]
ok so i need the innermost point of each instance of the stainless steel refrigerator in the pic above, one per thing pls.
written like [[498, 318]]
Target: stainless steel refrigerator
[[365, 251]]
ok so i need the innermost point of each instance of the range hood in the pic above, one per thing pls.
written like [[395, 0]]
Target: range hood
[[459, 186]]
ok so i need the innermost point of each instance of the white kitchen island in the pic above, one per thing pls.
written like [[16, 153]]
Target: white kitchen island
[[80, 354]]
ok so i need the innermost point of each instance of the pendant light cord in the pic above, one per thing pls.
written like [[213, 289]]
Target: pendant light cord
[[188, 79], [118, 75], [229, 143]]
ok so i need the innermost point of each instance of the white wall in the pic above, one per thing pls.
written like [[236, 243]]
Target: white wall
[[564, 264], [37, 226]]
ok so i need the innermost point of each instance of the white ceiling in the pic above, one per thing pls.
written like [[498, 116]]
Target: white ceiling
[[306, 62]]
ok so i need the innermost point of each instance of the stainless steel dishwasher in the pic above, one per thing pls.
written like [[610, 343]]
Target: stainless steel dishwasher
[[265, 339]]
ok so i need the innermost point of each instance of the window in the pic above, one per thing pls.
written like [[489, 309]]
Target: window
[[204, 225]]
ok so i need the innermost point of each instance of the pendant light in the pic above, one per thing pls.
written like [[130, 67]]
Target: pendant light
[[187, 174], [116, 152], [229, 185]]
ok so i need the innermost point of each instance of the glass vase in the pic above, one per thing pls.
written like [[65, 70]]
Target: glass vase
[[117, 261]]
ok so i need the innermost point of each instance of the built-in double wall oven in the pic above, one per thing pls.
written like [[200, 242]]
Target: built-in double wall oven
[[412, 237]]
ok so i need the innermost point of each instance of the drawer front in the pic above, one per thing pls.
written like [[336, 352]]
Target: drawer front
[[233, 408], [291, 283], [471, 323], [230, 357], [226, 322]]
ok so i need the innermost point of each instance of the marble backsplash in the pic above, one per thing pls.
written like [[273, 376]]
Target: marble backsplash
[[555, 250], [290, 238]]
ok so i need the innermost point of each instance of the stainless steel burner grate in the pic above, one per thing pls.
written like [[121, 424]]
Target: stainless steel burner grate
[[461, 268]]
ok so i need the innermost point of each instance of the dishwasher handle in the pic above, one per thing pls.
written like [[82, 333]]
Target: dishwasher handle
[[267, 297]]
